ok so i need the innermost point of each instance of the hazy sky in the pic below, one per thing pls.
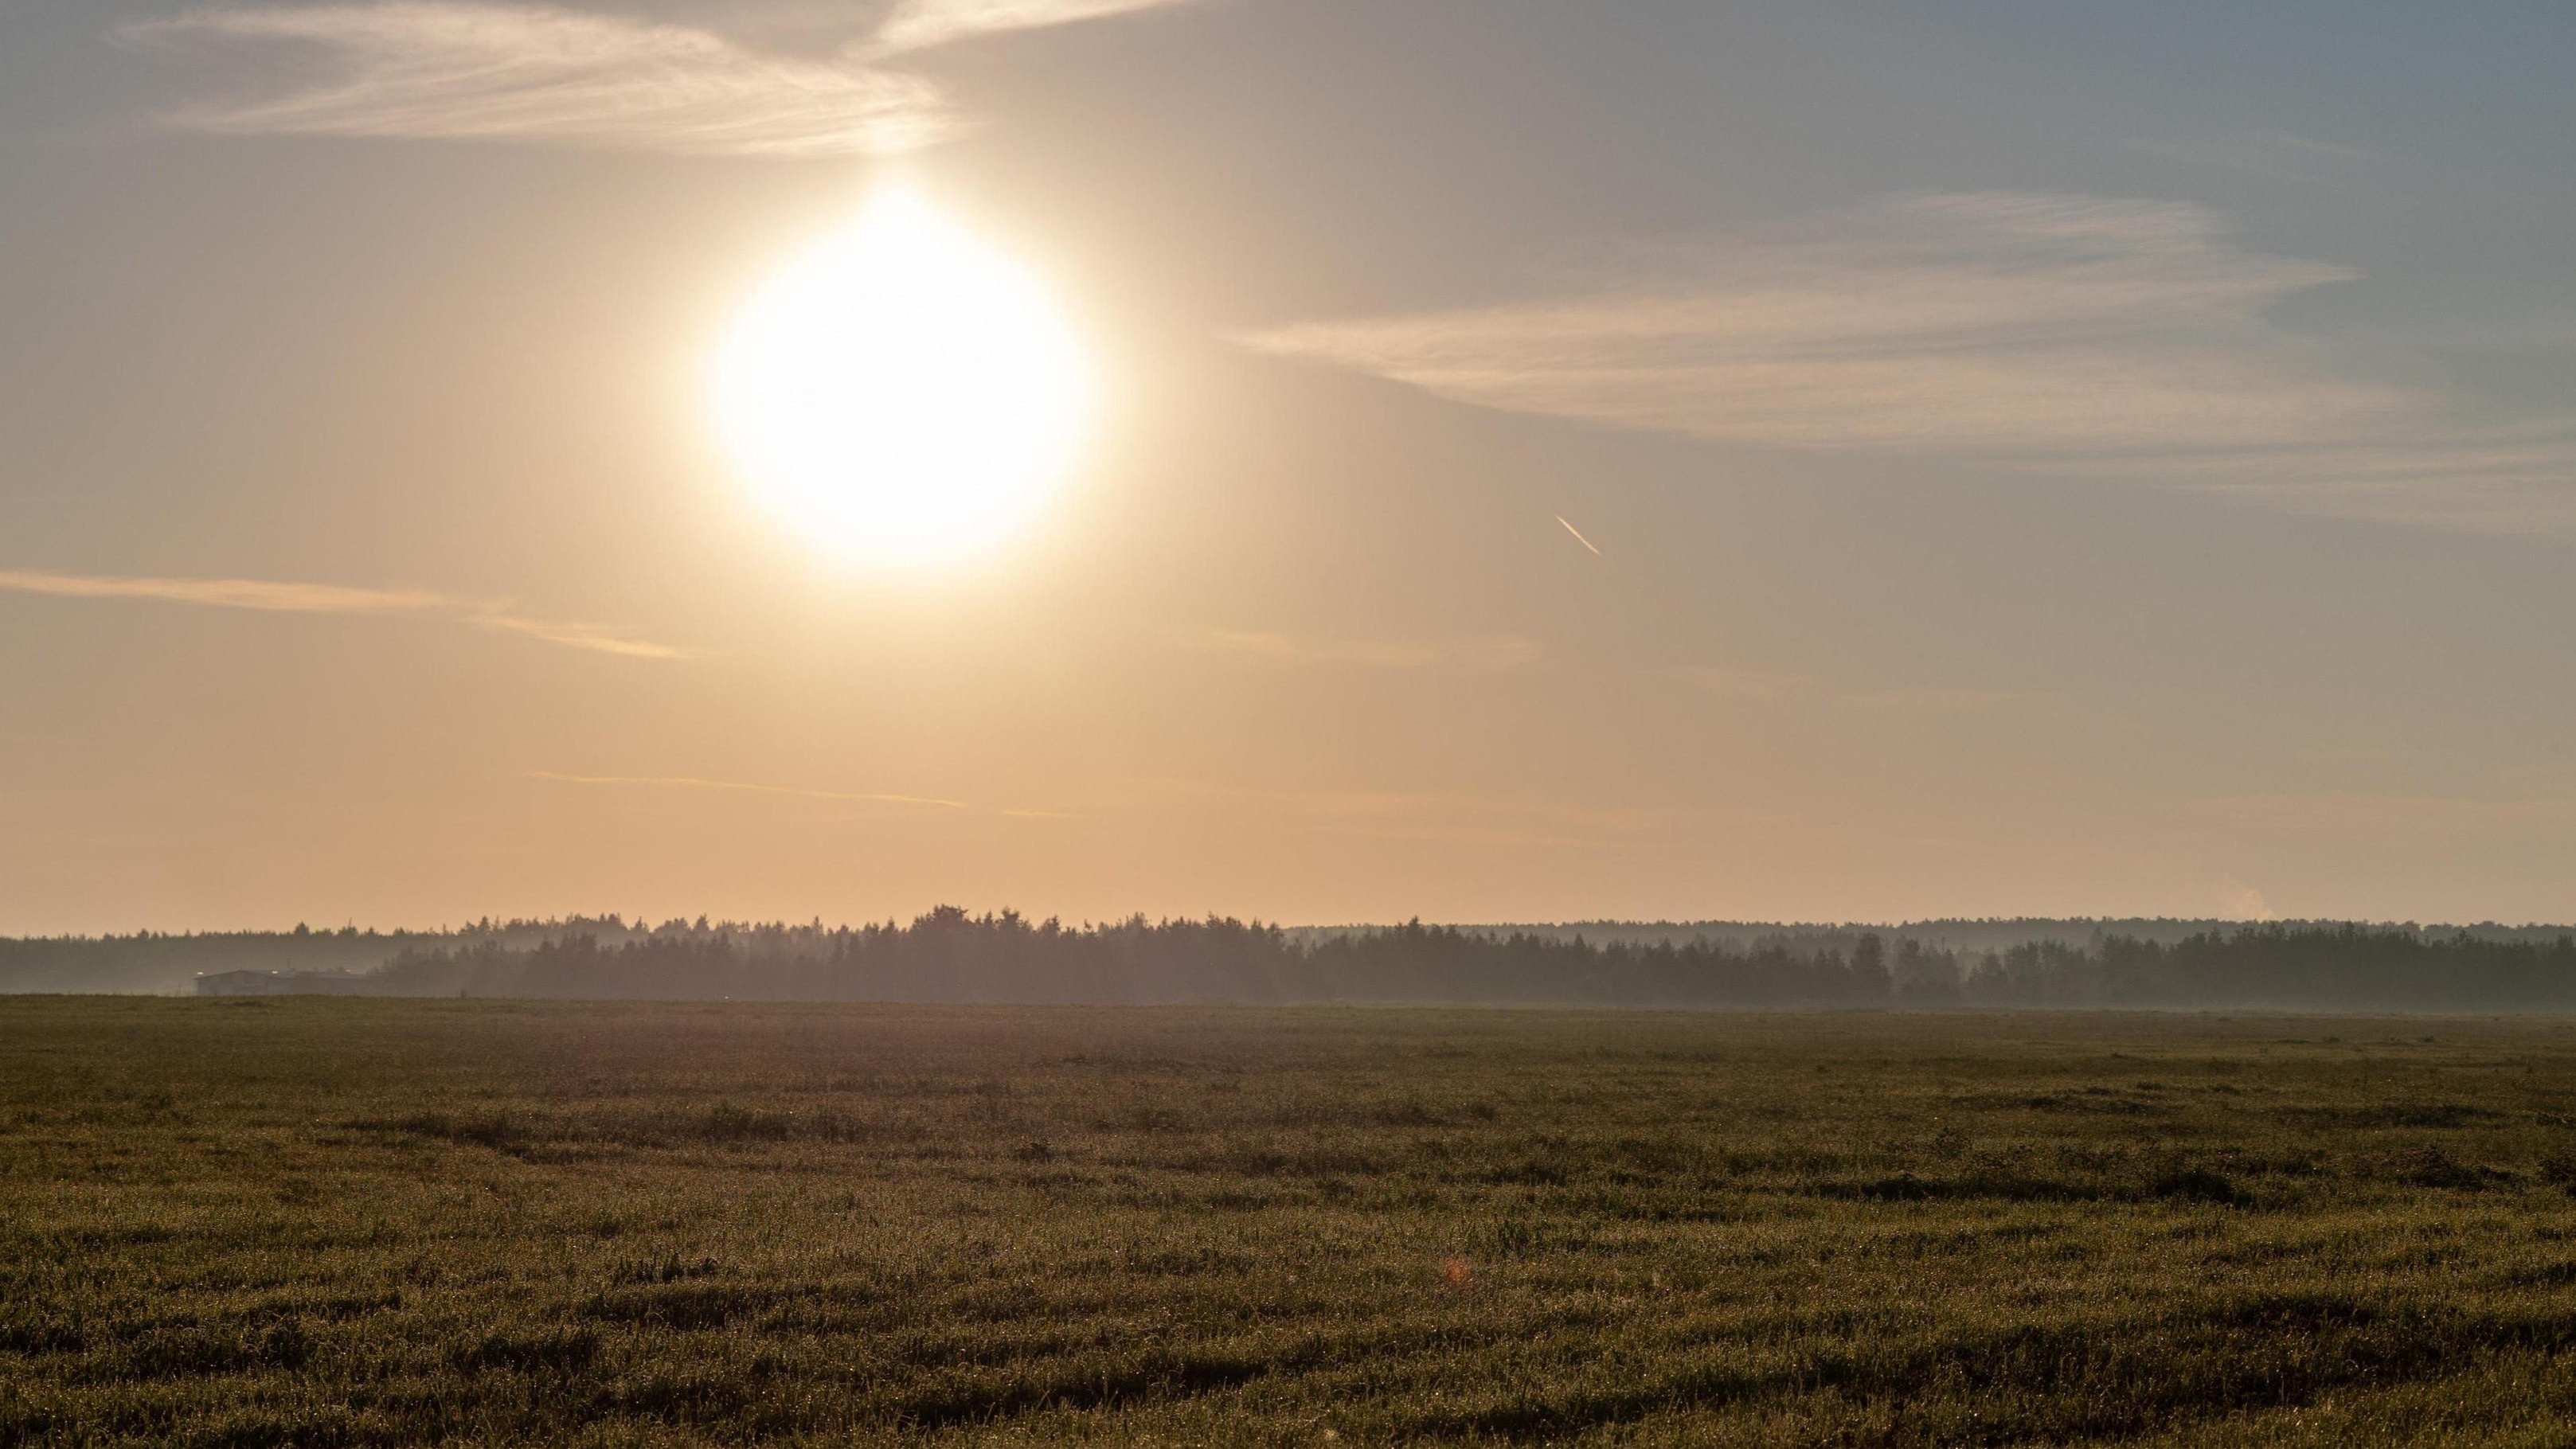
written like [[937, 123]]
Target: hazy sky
[[2043, 457]]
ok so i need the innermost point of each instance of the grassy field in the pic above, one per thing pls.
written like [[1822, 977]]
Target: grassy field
[[320, 1222]]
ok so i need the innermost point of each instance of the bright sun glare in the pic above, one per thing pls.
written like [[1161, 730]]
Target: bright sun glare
[[902, 393]]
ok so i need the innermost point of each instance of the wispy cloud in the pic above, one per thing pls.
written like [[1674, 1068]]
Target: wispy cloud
[[1491, 652], [1997, 323], [572, 635], [691, 782], [2041, 331], [261, 594], [271, 596], [462, 71], [475, 71], [919, 24]]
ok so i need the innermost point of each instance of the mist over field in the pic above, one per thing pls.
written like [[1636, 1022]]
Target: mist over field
[[951, 956]]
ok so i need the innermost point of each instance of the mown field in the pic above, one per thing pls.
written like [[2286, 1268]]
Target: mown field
[[351, 1222]]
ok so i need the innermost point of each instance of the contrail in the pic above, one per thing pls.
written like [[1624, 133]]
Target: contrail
[[274, 597], [1578, 534]]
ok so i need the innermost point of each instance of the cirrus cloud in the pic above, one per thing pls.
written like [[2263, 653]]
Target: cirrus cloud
[[471, 70], [920, 24], [271, 596], [1991, 322], [436, 70], [2064, 333]]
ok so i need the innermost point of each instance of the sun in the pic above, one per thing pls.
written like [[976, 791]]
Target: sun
[[901, 394]]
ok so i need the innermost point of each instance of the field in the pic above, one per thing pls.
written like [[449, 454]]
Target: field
[[352, 1222]]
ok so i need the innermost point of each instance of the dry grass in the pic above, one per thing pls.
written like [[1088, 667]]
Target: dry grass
[[319, 1222]]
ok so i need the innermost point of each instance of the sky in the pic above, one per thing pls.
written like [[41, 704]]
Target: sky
[[1834, 461]]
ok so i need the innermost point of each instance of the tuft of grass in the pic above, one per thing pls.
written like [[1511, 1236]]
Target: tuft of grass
[[2198, 1184], [551, 1351]]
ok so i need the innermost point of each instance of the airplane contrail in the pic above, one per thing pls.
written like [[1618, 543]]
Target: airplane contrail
[[1578, 534]]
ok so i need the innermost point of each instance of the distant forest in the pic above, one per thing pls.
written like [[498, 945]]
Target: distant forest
[[950, 955]]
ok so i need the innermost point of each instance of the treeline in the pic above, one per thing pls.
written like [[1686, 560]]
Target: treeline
[[159, 961], [951, 956], [1972, 936]]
